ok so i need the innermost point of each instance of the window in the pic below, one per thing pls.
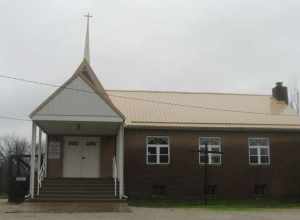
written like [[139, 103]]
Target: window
[[260, 189], [211, 190], [158, 151], [159, 190], [259, 151], [213, 144]]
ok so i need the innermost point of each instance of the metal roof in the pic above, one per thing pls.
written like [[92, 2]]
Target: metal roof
[[198, 110]]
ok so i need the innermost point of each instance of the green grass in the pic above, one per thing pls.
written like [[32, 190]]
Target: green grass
[[3, 196], [222, 205]]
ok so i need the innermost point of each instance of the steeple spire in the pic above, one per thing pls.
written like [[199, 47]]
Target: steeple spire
[[86, 55]]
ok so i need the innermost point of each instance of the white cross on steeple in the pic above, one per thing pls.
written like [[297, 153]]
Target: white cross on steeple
[[86, 55]]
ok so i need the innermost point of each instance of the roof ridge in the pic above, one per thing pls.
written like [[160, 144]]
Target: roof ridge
[[186, 92]]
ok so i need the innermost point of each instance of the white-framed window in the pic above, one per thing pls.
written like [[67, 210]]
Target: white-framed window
[[259, 150], [158, 150], [213, 144]]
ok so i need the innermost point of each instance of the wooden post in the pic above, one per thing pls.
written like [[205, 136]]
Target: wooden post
[[46, 154], [32, 160], [10, 177], [39, 151]]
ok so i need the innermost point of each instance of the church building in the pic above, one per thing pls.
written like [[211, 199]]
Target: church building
[[107, 145]]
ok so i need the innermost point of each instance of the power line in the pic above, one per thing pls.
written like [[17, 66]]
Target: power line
[[199, 106], [14, 118], [33, 82], [144, 100]]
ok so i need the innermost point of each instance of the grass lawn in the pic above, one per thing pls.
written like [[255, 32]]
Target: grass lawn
[[3, 196], [218, 204]]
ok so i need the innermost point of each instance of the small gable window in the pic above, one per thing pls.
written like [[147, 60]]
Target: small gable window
[[158, 150], [259, 151]]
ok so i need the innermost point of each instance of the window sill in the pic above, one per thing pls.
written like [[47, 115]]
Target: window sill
[[159, 165], [260, 165], [211, 165]]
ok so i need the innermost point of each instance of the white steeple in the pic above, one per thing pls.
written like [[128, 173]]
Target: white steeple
[[86, 55]]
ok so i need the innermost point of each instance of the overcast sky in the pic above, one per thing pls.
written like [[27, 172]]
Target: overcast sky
[[241, 46]]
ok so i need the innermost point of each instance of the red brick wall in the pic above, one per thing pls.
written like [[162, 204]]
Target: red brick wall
[[235, 178], [107, 152], [55, 166]]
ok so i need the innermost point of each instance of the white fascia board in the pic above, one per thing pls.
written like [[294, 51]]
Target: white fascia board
[[76, 118]]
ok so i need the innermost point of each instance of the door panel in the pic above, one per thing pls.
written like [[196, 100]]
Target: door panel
[[90, 166], [82, 157], [72, 157]]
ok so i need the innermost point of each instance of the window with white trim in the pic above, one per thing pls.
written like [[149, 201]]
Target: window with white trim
[[259, 151], [213, 144], [158, 150]]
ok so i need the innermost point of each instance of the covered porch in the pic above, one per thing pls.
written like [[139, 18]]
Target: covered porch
[[84, 135], [81, 149]]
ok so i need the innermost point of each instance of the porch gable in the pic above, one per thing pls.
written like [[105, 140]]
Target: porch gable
[[81, 98]]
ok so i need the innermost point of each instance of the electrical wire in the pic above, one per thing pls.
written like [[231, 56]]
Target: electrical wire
[[138, 99]]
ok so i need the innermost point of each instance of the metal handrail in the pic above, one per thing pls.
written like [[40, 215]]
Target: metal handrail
[[115, 174], [41, 175]]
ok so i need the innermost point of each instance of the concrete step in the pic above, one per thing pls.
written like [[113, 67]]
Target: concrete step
[[77, 185], [77, 192], [86, 189], [78, 178], [67, 183], [86, 180], [76, 196], [45, 199], [77, 189]]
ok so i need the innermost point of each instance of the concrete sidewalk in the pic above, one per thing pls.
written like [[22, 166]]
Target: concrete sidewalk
[[91, 211], [63, 207]]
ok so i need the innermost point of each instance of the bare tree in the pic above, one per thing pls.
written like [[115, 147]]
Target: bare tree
[[13, 145], [2, 157], [10, 145]]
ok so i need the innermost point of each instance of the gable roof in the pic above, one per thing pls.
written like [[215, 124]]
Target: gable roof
[[85, 72], [187, 109], [203, 110]]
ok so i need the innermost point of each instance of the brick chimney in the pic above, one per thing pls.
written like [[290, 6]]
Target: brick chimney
[[280, 92]]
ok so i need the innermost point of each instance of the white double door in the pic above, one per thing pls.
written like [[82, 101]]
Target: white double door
[[81, 157]]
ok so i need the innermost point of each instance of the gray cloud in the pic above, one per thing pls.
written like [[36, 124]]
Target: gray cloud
[[208, 45]]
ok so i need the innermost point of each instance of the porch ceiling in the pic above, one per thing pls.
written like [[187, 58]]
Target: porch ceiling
[[79, 127]]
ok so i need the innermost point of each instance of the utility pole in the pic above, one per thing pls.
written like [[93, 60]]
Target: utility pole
[[298, 102], [206, 153], [205, 173]]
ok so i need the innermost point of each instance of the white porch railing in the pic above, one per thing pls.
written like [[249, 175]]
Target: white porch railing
[[115, 174], [41, 174]]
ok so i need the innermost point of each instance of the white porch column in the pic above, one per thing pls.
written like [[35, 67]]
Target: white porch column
[[120, 160], [39, 151], [46, 154], [32, 159]]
